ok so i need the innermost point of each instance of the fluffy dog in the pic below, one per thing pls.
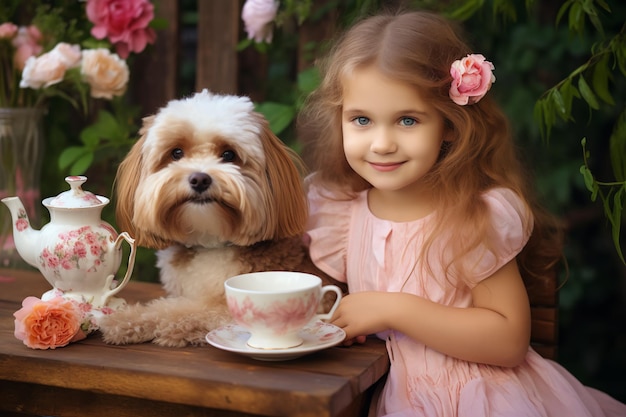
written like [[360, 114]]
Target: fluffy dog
[[218, 194]]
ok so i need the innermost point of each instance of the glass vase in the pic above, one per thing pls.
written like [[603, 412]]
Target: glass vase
[[21, 156]]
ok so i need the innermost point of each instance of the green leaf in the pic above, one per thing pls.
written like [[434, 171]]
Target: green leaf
[[600, 80], [619, 49], [576, 18], [592, 13], [604, 5], [588, 177], [568, 92], [159, 23], [557, 98], [587, 94], [563, 10], [617, 148], [70, 155], [467, 10], [308, 80], [82, 164], [279, 115], [90, 137]]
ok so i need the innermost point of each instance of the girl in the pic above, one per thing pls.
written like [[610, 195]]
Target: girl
[[419, 203]]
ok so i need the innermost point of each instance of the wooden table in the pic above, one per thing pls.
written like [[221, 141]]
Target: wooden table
[[95, 379]]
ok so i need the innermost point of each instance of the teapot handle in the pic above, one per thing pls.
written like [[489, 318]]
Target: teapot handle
[[129, 269]]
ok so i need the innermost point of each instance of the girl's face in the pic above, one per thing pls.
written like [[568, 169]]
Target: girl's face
[[391, 136]]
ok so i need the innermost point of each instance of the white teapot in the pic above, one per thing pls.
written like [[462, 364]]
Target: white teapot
[[77, 252]]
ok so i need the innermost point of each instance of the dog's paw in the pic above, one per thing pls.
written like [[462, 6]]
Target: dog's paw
[[190, 328], [130, 324]]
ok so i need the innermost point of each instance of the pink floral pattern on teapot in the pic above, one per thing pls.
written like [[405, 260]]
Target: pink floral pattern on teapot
[[83, 245]]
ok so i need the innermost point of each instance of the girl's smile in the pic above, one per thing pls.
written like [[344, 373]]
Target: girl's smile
[[386, 167]]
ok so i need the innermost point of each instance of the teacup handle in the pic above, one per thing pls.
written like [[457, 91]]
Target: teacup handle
[[129, 269], [336, 290]]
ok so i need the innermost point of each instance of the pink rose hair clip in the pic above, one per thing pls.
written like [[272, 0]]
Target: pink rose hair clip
[[472, 77]]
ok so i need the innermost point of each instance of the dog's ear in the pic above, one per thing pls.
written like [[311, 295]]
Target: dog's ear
[[126, 182], [286, 185]]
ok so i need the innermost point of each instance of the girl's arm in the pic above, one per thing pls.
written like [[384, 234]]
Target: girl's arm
[[494, 330]]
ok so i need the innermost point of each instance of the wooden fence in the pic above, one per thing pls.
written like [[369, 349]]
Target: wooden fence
[[218, 65]]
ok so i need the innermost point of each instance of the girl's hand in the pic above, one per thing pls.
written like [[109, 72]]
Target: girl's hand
[[361, 314], [349, 342]]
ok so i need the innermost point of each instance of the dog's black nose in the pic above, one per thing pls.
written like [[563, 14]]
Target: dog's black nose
[[199, 181]]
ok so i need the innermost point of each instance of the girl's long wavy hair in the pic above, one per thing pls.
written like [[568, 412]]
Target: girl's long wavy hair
[[418, 48]]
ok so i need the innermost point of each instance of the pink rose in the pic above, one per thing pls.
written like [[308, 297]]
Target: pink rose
[[43, 71], [21, 225], [27, 44], [7, 30], [106, 73], [124, 22], [47, 324], [471, 79], [258, 16]]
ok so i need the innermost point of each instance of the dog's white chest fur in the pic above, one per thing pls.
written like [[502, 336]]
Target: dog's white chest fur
[[197, 273]]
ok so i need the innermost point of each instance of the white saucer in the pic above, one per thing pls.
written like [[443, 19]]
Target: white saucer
[[316, 336]]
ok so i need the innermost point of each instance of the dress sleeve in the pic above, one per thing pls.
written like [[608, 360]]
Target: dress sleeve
[[512, 224], [327, 227]]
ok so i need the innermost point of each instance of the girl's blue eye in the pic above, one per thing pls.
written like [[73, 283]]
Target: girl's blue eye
[[361, 120], [408, 121]]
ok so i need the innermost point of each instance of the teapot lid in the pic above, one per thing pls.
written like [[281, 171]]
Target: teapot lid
[[75, 197]]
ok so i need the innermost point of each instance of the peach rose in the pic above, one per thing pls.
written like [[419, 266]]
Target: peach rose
[[258, 16], [471, 79], [43, 71], [105, 72], [48, 324], [69, 55]]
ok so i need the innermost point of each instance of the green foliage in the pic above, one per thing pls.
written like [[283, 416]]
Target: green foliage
[[111, 131], [591, 83]]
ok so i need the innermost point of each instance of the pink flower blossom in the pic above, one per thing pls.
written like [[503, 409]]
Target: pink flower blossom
[[80, 249], [21, 225], [7, 30], [124, 22], [27, 44], [472, 77], [258, 16], [47, 324]]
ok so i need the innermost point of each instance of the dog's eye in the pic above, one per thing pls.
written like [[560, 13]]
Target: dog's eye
[[229, 156], [177, 154]]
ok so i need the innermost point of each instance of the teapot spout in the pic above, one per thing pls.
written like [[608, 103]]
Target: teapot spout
[[24, 235]]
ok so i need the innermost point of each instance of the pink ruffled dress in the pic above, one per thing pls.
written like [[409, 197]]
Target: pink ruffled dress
[[349, 243]]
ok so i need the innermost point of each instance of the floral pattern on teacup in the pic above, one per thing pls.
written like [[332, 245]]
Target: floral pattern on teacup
[[83, 245], [281, 316]]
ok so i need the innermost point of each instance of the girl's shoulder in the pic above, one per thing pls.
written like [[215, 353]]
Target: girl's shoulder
[[505, 205], [328, 228]]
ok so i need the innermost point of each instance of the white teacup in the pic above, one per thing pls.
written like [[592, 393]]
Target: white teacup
[[275, 305]]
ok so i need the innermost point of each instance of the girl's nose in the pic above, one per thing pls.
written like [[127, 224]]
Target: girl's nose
[[383, 142]]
